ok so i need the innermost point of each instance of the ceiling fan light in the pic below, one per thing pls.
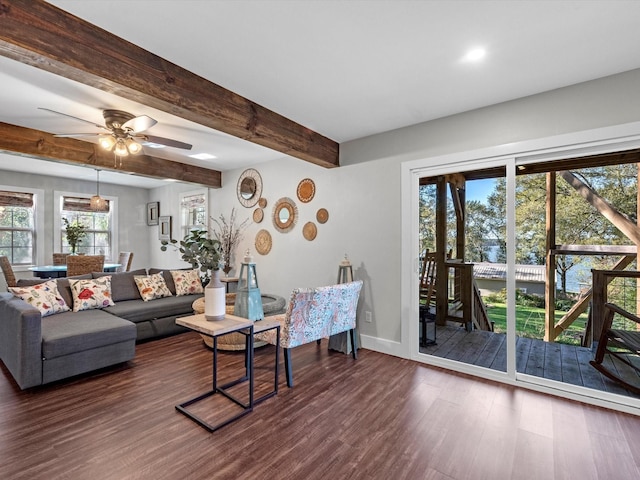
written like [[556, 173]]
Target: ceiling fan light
[[121, 149], [133, 147], [107, 142]]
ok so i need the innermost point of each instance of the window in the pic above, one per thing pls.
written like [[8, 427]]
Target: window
[[17, 227], [193, 207], [99, 239]]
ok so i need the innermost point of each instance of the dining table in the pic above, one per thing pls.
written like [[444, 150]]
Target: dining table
[[59, 271]]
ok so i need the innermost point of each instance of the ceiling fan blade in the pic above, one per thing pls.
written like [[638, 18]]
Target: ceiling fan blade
[[165, 141], [75, 118], [71, 135], [139, 124]]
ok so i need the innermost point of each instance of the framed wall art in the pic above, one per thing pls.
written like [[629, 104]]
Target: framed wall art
[[164, 228], [153, 213]]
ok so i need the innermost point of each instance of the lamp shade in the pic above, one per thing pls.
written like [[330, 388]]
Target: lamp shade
[[99, 204]]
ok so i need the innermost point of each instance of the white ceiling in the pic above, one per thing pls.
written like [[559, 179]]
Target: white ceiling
[[346, 69]]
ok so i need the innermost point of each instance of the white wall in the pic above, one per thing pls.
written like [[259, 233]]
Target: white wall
[[363, 196]]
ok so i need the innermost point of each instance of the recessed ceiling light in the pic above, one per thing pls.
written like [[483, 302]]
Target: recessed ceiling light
[[475, 55], [203, 156]]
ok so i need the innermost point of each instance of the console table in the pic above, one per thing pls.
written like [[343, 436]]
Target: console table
[[216, 329]]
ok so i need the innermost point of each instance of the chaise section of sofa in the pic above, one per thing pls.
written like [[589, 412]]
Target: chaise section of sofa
[[38, 350]]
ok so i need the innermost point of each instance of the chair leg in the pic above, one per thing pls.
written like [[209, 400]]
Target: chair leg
[[354, 352], [287, 366]]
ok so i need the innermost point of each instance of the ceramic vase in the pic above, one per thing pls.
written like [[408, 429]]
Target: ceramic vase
[[214, 298]]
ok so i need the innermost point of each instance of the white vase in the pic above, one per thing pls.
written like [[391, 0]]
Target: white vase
[[215, 298]]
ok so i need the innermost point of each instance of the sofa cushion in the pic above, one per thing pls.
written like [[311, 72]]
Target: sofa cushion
[[152, 287], [168, 278], [140, 311], [44, 296], [70, 332], [123, 286], [93, 293], [65, 289], [187, 282]]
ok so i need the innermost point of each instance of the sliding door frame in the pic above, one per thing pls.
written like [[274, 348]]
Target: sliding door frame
[[511, 156]]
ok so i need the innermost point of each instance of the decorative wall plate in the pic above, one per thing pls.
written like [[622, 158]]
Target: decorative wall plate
[[285, 215], [258, 215], [262, 203], [249, 187], [306, 190], [309, 231], [263, 242], [322, 215]]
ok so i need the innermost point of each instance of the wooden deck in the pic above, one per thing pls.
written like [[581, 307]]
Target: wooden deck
[[555, 361]]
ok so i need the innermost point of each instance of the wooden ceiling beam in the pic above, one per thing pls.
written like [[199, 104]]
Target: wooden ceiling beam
[[43, 145], [37, 33]]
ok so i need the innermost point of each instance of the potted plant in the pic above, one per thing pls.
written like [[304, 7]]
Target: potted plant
[[75, 233], [204, 253], [199, 250]]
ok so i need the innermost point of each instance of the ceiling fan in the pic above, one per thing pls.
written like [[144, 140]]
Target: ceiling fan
[[124, 132]]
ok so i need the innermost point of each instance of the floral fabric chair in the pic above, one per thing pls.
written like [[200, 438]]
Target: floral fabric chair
[[313, 314]]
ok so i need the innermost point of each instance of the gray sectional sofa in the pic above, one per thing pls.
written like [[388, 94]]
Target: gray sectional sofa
[[38, 350]]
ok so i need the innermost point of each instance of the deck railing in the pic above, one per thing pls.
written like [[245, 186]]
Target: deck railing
[[601, 280]]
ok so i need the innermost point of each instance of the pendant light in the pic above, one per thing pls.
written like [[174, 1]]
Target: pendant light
[[98, 204]]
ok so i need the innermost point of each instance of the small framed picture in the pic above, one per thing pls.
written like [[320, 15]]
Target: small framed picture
[[153, 213], [164, 228]]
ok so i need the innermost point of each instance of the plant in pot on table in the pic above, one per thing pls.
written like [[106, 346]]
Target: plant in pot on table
[[204, 254], [75, 232]]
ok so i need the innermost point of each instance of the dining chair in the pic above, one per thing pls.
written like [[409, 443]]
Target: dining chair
[[9, 276], [124, 259], [81, 264], [60, 258]]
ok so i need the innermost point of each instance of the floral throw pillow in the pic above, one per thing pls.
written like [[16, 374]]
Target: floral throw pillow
[[152, 286], [44, 296], [187, 282], [88, 294]]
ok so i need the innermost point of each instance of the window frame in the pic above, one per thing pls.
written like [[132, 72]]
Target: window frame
[[186, 227], [37, 255], [58, 198]]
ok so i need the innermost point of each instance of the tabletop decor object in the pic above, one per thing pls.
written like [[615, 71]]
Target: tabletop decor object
[[229, 235], [248, 298], [215, 298]]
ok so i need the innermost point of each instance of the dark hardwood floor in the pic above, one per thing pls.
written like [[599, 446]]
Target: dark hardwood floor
[[378, 417]]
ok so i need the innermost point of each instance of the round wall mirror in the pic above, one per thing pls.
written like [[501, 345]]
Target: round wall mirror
[[249, 187], [285, 215]]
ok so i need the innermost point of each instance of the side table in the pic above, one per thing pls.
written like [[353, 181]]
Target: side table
[[216, 329]]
